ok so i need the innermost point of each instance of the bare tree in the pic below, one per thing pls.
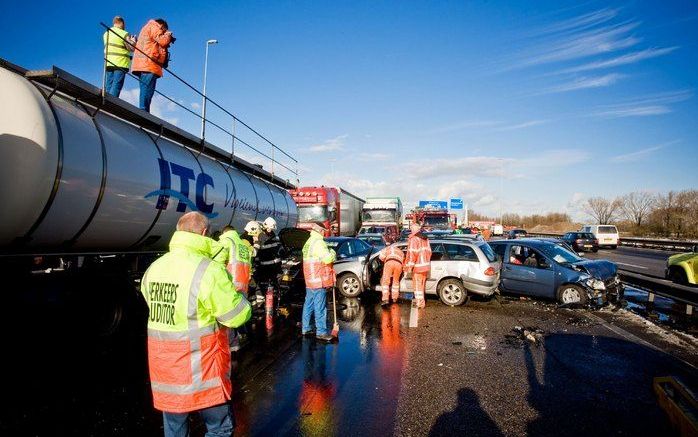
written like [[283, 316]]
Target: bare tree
[[637, 205], [601, 209]]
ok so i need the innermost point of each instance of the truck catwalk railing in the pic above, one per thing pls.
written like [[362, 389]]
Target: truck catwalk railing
[[280, 160]]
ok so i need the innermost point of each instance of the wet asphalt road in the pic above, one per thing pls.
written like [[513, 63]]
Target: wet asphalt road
[[461, 371]]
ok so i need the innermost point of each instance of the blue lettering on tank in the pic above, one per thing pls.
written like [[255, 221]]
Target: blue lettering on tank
[[185, 174]]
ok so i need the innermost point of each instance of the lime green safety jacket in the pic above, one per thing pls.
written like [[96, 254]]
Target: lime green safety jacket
[[192, 303], [317, 262], [231, 251], [116, 51]]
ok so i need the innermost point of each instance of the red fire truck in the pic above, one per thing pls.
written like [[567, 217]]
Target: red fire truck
[[335, 209], [433, 218]]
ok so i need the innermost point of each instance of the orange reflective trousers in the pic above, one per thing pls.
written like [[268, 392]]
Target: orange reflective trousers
[[419, 281], [391, 272]]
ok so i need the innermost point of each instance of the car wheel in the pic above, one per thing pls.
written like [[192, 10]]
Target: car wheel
[[452, 292], [570, 293], [678, 276], [349, 285], [596, 249], [614, 246]]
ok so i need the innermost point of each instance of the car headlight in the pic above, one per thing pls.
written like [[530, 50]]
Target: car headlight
[[596, 284]]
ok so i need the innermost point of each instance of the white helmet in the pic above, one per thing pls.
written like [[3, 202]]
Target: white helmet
[[252, 228], [269, 224]]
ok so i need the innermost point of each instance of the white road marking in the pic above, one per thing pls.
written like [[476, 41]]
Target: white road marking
[[631, 265]]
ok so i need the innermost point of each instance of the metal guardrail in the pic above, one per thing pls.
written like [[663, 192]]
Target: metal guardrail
[[680, 293], [649, 243]]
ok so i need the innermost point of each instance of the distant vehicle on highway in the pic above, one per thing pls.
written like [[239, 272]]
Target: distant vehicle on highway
[[542, 268], [458, 267], [581, 241], [606, 234], [390, 232], [376, 240], [682, 268], [516, 233]]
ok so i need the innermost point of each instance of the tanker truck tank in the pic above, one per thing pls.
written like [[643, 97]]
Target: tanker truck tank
[[83, 177]]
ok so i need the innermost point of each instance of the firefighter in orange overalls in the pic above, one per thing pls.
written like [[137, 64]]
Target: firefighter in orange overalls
[[392, 257], [418, 261]]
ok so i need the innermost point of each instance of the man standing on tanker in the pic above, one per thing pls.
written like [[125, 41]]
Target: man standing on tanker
[[418, 261], [192, 304], [151, 56]]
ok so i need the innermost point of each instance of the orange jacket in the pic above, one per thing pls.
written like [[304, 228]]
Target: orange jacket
[[153, 41], [418, 254], [391, 252]]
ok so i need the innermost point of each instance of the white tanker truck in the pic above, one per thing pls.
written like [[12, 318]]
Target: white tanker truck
[[93, 183]]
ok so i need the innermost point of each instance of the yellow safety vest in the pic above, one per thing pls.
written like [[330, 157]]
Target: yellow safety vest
[[118, 56]]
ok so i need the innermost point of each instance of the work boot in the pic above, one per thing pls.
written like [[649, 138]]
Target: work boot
[[308, 334], [324, 337]]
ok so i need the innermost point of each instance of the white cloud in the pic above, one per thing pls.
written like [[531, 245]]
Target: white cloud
[[642, 153], [330, 145], [579, 40], [586, 83], [523, 125], [196, 106], [159, 106], [656, 104], [368, 157], [629, 58], [467, 124]]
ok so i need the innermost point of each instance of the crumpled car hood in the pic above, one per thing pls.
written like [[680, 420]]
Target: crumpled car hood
[[599, 269]]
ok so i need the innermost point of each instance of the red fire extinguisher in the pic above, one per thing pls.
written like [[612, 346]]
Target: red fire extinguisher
[[269, 301]]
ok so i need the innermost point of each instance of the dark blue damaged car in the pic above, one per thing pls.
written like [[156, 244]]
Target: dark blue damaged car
[[543, 268]]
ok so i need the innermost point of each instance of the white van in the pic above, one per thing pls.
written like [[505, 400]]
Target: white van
[[606, 234]]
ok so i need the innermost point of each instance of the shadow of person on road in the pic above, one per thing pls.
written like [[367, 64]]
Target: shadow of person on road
[[468, 418]]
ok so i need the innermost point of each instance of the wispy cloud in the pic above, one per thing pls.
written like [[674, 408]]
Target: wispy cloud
[[586, 83], [330, 145], [490, 125], [656, 104], [579, 42], [368, 157], [523, 125], [629, 58], [642, 153], [462, 125], [579, 22]]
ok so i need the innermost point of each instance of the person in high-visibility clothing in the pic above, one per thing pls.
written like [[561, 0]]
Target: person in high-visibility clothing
[[118, 46], [192, 303], [151, 55], [319, 275], [236, 257], [418, 261], [393, 258]]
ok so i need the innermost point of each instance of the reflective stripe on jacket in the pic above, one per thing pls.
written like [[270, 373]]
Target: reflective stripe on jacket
[[317, 262], [418, 254], [153, 41], [115, 49], [236, 257], [393, 253], [192, 304]]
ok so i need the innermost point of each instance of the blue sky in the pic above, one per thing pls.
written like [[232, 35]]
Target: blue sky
[[556, 101]]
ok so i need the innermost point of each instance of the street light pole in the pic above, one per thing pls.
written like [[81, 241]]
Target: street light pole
[[203, 104]]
